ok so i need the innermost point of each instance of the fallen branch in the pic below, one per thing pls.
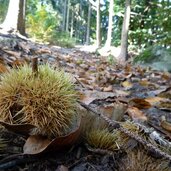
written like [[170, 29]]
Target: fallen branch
[[117, 125]]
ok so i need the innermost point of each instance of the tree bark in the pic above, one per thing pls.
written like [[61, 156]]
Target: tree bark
[[68, 14], [88, 24], [123, 56], [72, 22], [98, 23], [64, 15], [15, 18], [110, 24], [21, 17]]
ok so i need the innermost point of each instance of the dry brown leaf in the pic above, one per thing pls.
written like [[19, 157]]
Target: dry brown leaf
[[85, 98], [154, 100], [36, 144], [127, 84], [3, 68], [135, 113], [144, 83], [122, 93], [13, 53], [23, 129], [128, 68], [140, 103], [18, 62], [108, 89], [43, 50], [164, 124], [166, 76], [89, 95], [83, 80]]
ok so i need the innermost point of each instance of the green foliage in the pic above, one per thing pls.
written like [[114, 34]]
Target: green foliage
[[111, 60], [144, 56], [43, 24], [154, 54], [150, 23], [62, 39], [3, 9]]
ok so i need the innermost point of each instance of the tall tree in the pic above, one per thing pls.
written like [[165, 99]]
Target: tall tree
[[109, 32], [88, 24], [72, 22], [123, 56], [15, 18], [98, 23], [68, 15], [64, 15]]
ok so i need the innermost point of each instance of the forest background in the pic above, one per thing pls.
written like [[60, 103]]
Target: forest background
[[125, 25]]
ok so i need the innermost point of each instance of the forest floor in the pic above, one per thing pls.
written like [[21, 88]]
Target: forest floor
[[118, 94]]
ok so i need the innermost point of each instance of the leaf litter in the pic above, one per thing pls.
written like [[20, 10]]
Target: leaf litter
[[135, 98]]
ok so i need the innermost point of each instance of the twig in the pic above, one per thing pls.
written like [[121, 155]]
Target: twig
[[79, 82], [129, 133], [35, 66]]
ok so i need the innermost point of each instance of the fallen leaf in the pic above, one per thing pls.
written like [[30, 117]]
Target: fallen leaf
[[122, 93], [23, 129], [166, 76], [135, 113], [3, 68], [85, 98], [62, 168], [164, 124], [140, 103], [154, 100], [108, 89], [89, 96], [127, 84], [144, 83], [13, 53], [37, 144]]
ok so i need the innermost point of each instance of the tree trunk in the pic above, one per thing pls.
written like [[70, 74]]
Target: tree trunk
[[64, 15], [123, 56], [88, 24], [72, 22], [98, 22], [15, 18], [109, 32], [21, 17], [68, 14]]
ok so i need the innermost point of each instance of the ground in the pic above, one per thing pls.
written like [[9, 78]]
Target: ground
[[111, 94]]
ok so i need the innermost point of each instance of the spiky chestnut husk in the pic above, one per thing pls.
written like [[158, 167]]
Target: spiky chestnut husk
[[47, 101], [102, 139], [139, 160]]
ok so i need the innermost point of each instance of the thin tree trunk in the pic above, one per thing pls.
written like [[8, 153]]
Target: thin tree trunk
[[21, 17], [98, 22], [64, 15], [109, 32], [72, 22], [15, 18], [68, 14], [88, 24], [123, 56]]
